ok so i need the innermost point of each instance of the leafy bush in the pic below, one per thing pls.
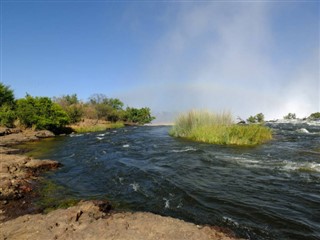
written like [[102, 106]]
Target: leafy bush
[[72, 106], [290, 116], [106, 108], [140, 116], [218, 129], [41, 113], [7, 115], [259, 118], [314, 116], [7, 106], [6, 95]]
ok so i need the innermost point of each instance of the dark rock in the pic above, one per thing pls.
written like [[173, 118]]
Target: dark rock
[[104, 206]]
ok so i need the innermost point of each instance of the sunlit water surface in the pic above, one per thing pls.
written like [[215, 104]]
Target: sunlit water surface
[[267, 192]]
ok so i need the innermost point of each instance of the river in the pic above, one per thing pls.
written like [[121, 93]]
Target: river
[[271, 191]]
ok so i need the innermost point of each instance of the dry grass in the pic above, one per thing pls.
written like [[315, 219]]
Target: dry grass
[[91, 125]]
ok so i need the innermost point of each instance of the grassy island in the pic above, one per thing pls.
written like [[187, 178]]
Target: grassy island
[[202, 126]]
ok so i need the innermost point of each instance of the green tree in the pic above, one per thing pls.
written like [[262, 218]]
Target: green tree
[[251, 119], [107, 108], [72, 106], [41, 113], [140, 116], [7, 115], [7, 106], [258, 118], [290, 116], [6, 95], [314, 116]]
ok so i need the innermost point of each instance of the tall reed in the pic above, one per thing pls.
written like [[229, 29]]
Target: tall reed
[[203, 126]]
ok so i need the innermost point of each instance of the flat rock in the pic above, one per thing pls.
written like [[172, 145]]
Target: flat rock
[[86, 221]]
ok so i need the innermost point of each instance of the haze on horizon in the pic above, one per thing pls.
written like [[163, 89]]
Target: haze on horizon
[[246, 57]]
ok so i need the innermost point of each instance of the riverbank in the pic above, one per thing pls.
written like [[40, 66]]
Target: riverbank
[[87, 220], [19, 173]]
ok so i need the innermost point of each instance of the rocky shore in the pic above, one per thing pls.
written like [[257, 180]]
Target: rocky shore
[[20, 219]]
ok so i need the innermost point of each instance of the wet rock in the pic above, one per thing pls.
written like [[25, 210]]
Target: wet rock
[[44, 134]]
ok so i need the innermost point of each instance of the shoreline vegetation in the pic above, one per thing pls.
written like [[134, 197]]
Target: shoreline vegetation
[[203, 126], [89, 125], [66, 114]]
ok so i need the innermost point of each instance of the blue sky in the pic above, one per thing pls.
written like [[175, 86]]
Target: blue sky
[[172, 56]]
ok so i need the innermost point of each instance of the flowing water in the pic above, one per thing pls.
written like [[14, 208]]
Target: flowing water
[[270, 191]]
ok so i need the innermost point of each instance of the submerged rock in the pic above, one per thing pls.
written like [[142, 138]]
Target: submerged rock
[[302, 130]]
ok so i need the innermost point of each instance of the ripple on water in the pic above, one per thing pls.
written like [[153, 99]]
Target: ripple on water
[[264, 192]]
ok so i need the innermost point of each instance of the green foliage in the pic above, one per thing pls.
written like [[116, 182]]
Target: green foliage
[[290, 116], [114, 103], [72, 106], [6, 95], [75, 113], [7, 115], [140, 116], [41, 113], [251, 119], [218, 129], [106, 108], [7, 106], [314, 116], [259, 118]]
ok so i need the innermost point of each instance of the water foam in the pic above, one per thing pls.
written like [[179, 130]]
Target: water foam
[[301, 167], [75, 135], [121, 180], [186, 149], [166, 203], [302, 130], [231, 221], [135, 186]]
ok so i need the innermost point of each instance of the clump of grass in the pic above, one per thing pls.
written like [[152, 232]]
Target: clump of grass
[[98, 127], [213, 128]]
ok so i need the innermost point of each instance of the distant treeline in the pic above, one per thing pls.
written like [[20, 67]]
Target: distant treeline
[[52, 114]]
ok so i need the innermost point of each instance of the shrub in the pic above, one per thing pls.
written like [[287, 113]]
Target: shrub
[[7, 115], [259, 118], [106, 108], [41, 113], [6, 95], [72, 106], [7, 106], [218, 129], [290, 116], [314, 116], [140, 116]]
